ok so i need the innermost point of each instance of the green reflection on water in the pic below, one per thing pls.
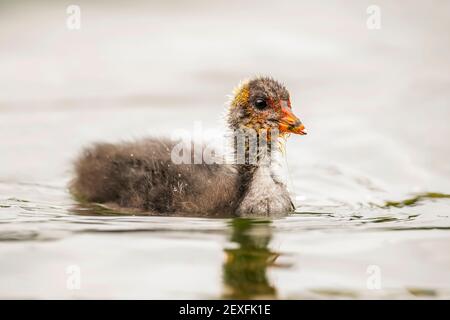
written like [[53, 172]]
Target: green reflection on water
[[245, 267], [414, 200]]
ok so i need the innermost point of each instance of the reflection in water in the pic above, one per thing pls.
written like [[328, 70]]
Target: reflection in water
[[416, 199], [245, 267]]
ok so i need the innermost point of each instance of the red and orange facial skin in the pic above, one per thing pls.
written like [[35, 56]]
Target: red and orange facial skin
[[287, 120], [263, 104]]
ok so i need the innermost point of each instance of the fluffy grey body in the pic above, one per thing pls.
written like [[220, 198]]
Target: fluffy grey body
[[141, 175]]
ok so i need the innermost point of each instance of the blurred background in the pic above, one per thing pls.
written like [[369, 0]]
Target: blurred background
[[375, 103]]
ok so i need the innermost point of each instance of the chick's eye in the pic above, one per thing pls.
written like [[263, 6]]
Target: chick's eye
[[260, 104]]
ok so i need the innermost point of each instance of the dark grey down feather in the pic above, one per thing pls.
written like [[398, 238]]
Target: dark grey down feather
[[141, 175]]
